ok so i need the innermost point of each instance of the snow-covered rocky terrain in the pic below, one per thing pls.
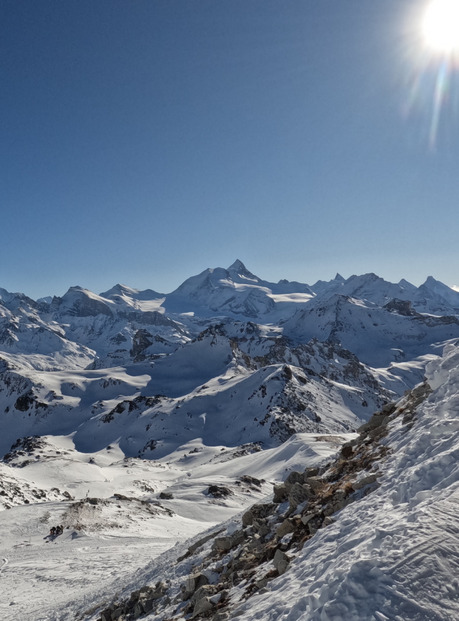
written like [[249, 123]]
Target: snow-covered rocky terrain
[[139, 420]]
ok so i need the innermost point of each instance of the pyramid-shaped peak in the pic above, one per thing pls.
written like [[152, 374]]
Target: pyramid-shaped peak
[[406, 283], [437, 287], [239, 269], [237, 266]]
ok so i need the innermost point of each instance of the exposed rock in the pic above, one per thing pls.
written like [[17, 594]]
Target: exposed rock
[[258, 512], [193, 583], [298, 493], [347, 451], [401, 307], [223, 544], [280, 493], [251, 481], [195, 546], [285, 528], [294, 477], [141, 342], [261, 527], [281, 561], [364, 481], [218, 491], [201, 607]]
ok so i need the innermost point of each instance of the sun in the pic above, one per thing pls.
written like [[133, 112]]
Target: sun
[[441, 26]]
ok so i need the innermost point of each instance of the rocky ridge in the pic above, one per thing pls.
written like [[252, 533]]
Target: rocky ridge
[[230, 568]]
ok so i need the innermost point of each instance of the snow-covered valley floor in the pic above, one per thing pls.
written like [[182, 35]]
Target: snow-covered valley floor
[[104, 544]]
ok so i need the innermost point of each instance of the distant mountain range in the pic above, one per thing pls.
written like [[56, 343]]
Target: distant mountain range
[[154, 370]]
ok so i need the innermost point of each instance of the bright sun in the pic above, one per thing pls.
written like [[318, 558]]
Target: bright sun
[[441, 26]]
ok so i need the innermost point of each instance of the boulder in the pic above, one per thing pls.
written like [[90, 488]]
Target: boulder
[[347, 451], [315, 483], [281, 562], [364, 481], [299, 493], [224, 544], [257, 512], [192, 584], [294, 477], [203, 593], [284, 529], [201, 607], [280, 494], [261, 527], [218, 491]]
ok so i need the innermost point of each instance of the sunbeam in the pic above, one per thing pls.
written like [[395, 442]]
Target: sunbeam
[[434, 81]]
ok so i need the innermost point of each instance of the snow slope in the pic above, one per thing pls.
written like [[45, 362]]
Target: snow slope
[[394, 554], [105, 543]]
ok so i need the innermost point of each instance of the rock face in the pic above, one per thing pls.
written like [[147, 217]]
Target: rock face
[[141, 341], [402, 307], [272, 533]]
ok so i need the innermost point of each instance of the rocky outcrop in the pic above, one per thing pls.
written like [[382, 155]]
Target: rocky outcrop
[[401, 307], [218, 491], [27, 401], [139, 604], [141, 342]]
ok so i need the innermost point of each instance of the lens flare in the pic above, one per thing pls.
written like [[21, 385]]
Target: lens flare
[[434, 60], [441, 26]]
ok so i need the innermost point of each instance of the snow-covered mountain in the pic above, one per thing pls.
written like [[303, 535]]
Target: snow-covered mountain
[[371, 534], [138, 365], [181, 409]]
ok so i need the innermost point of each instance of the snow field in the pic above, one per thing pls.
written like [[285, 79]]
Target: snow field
[[105, 544]]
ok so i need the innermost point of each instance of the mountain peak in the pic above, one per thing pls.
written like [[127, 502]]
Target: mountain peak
[[240, 269], [119, 289], [431, 281], [238, 265], [434, 285]]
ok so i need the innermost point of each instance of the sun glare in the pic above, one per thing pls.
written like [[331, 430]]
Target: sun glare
[[441, 26]]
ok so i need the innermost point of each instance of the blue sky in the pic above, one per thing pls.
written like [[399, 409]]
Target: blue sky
[[145, 140]]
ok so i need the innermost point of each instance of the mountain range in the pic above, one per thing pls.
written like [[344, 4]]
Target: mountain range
[[134, 394]]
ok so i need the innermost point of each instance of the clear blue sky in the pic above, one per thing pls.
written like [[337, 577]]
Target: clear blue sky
[[142, 141]]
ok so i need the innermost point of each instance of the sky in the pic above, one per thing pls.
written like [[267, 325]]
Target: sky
[[142, 141]]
